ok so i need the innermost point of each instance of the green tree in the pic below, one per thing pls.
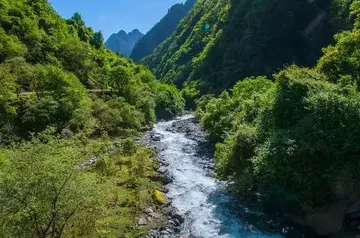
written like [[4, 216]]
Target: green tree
[[44, 194], [10, 46], [169, 101], [97, 40]]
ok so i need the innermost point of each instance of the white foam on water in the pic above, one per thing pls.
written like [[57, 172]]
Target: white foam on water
[[197, 196]]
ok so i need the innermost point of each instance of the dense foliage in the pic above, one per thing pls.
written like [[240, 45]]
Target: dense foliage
[[61, 94], [221, 41], [48, 67], [294, 140], [162, 30], [46, 189]]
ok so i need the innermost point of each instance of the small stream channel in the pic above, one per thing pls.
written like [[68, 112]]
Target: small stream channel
[[209, 211]]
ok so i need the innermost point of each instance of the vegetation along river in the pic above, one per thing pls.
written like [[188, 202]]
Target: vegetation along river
[[208, 209]]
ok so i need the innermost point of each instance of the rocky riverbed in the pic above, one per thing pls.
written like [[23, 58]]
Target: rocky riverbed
[[200, 205]]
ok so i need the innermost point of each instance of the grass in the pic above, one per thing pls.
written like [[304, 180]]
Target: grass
[[126, 189]]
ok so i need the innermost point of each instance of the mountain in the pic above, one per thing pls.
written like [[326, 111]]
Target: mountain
[[161, 30], [123, 43], [222, 41]]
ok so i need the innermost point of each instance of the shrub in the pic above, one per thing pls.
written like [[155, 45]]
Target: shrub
[[44, 193], [169, 101], [105, 166], [292, 141]]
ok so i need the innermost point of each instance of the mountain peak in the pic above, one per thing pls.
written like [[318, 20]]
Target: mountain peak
[[135, 31], [122, 34], [123, 42]]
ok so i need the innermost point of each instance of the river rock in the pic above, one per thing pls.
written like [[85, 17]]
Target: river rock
[[149, 210], [169, 210], [164, 163], [162, 170], [173, 223], [160, 197], [153, 234], [91, 162], [164, 179], [173, 213], [164, 189], [67, 134], [151, 213], [197, 148], [155, 215], [142, 221], [155, 136], [167, 231], [192, 236]]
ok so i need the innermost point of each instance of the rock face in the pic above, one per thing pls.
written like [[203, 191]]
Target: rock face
[[122, 42]]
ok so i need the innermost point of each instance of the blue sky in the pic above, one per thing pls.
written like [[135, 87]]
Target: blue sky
[[110, 16]]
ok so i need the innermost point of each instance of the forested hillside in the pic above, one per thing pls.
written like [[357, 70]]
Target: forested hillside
[[122, 42], [286, 128], [292, 141], [62, 93], [50, 65], [162, 30], [222, 41]]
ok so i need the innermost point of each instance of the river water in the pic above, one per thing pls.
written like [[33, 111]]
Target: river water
[[209, 211]]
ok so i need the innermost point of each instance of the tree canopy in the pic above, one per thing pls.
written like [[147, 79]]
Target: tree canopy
[[293, 139], [49, 66], [220, 42], [62, 95]]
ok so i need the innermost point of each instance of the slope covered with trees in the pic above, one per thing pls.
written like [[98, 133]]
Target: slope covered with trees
[[294, 139], [49, 66], [162, 30], [61, 94], [223, 40]]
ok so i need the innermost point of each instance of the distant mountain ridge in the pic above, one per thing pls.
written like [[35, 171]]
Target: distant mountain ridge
[[123, 42], [162, 30]]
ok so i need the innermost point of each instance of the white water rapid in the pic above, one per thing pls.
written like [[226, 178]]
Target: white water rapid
[[209, 212]]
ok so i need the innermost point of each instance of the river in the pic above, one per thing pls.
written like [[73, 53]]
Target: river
[[209, 211]]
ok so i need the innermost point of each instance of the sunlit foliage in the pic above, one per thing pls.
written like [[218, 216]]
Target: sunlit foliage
[[295, 140]]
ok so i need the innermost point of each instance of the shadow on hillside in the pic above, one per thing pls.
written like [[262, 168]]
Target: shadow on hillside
[[260, 37]]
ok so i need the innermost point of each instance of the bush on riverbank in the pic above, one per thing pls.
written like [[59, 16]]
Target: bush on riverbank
[[57, 77], [49, 65], [44, 189], [294, 140]]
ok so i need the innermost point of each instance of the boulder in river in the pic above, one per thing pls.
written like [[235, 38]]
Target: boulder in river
[[164, 179], [174, 214], [160, 197], [162, 170]]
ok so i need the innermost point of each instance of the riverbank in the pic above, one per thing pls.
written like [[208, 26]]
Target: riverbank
[[208, 210]]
